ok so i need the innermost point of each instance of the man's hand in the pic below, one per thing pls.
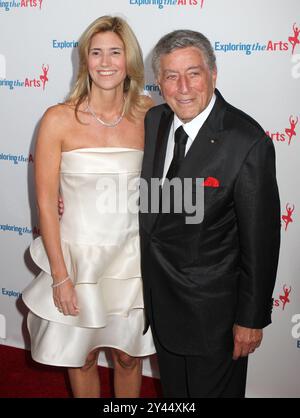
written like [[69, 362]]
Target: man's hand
[[246, 340], [60, 207]]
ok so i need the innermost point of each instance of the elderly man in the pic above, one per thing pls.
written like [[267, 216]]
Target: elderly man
[[207, 285]]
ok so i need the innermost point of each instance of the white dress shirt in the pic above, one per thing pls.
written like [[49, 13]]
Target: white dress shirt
[[191, 128]]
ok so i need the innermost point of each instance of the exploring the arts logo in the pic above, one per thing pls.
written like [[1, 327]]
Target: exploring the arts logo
[[16, 159], [161, 4], [286, 45], [288, 135], [283, 45], [19, 230], [7, 6], [37, 82]]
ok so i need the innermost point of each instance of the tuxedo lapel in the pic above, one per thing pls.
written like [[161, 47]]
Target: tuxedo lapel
[[161, 143], [160, 152]]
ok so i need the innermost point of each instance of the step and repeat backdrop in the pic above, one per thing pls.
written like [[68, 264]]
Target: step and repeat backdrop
[[257, 44]]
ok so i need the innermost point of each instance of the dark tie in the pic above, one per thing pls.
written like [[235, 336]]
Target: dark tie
[[181, 138]]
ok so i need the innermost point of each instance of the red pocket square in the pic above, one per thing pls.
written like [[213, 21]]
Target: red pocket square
[[211, 182]]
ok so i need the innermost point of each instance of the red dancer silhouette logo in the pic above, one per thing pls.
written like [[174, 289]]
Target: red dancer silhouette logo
[[294, 40], [288, 217], [291, 131], [44, 77], [285, 298]]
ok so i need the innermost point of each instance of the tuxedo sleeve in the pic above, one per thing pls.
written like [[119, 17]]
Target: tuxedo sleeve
[[257, 208]]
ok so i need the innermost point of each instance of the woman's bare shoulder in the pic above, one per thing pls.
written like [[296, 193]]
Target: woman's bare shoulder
[[55, 124], [59, 111]]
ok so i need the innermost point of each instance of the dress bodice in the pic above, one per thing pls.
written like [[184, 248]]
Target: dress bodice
[[99, 187]]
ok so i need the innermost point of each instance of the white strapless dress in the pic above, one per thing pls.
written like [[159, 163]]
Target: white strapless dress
[[102, 255]]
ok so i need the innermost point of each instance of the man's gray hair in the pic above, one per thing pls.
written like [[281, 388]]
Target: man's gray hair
[[183, 39]]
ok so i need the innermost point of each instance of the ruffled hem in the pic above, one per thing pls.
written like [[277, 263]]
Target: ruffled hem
[[90, 263], [73, 344], [107, 282]]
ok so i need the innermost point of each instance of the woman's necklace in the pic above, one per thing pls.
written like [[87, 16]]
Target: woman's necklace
[[108, 124]]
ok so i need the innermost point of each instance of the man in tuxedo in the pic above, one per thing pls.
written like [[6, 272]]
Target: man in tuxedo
[[207, 285]]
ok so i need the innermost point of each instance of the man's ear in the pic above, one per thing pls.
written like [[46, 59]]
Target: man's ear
[[158, 84], [214, 76]]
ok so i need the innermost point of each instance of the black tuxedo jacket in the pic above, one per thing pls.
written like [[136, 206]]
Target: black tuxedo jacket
[[199, 280]]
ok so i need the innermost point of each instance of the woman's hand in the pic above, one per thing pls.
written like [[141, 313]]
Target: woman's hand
[[65, 298], [60, 206]]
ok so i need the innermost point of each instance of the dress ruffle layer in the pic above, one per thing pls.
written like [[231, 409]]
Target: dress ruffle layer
[[107, 281], [58, 344]]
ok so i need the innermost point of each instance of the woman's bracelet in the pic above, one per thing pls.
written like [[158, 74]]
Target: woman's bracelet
[[60, 283]]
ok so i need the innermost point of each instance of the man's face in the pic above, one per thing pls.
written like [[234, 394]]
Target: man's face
[[186, 82]]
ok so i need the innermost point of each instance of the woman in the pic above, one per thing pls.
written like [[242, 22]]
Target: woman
[[87, 149]]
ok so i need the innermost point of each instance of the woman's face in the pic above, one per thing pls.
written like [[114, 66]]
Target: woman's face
[[107, 61]]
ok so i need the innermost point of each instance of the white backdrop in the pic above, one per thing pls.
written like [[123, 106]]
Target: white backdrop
[[258, 53]]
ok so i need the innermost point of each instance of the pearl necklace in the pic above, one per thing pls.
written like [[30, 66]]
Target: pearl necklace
[[107, 124]]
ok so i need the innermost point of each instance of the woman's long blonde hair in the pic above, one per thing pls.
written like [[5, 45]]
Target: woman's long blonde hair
[[134, 82]]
